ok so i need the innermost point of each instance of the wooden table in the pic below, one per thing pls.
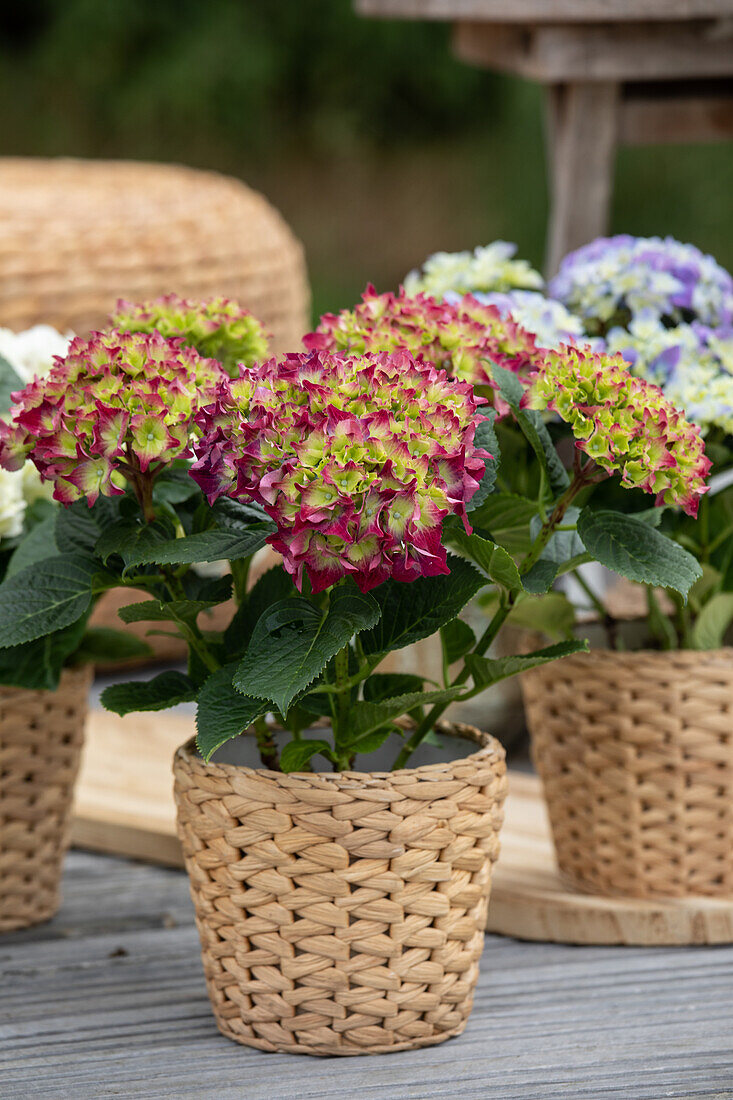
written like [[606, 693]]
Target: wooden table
[[614, 71], [108, 1000]]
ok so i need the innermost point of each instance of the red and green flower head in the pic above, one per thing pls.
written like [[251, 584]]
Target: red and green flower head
[[626, 425], [357, 460], [118, 402], [462, 339], [217, 327]]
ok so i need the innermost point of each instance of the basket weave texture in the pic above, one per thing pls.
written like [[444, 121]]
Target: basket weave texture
[[635, 751], [341, 913], [77, 235], [41, 736]]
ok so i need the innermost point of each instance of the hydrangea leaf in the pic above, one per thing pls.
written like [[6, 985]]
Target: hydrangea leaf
[[486, 439], [490, 670], [713, 622], [491, 559], [457, 639], [294, 640], [211, 545], [46, 596], [223, 712], [506, 518], [297, 754], [38, 545], [165, 690], [366, 717], [410, 612], [10, 382], [635, 550]]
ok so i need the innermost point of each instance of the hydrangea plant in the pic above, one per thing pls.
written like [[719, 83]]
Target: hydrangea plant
[[492, 267], [667, 309], [217, 328], [375, 474], [613, 279], [463, 337]]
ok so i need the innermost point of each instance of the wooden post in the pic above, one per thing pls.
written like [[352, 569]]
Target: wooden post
[[581, 124]]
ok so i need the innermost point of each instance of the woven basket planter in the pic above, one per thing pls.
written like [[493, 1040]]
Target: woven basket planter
[[341, 913], [79, 234], [635, 751], [41, 736]]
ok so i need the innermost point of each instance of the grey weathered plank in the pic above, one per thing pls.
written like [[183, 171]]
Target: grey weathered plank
[[108, 1000]]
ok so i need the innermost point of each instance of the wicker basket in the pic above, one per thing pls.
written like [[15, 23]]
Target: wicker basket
[[41, 735], [635, 751], [341, 913], [76, 235]]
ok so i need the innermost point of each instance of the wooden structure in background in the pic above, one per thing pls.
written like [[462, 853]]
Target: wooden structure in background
[[614, 72]]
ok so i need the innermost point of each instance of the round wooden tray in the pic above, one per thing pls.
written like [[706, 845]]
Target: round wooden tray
[[530, 901]]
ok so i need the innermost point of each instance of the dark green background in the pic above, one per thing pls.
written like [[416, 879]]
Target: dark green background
[[374, 142]]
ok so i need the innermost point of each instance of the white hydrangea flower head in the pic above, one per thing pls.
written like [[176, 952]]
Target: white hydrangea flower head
[[31, 353], [489, 268], [12, 504]]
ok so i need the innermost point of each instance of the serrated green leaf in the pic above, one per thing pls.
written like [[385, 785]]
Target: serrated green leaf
[[551, 614], [635, 550], [533, 426], [413, 611], [157, 612], [130, 540], [366, 717], [46, 596], [38, 665], [539, 578], [270, 588], [493, 561], [38, 545], [77, 530], [457, 639], [486, 440], [293, 641], [490, 670], [163, 691], [10, 382], [101, 645], [297, 754], [506, 518], [713, 622], [385, 685], [370, 742], [223, 712], [216, 544]]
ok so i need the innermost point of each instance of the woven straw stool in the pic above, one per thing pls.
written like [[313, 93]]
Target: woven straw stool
[[635, 751], [77, 235], [341, 913], [41, 736]]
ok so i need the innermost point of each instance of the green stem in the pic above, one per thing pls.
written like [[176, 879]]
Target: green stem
[[341, 705], [583, 477], [434, 714], [266, 745], [607, 619], [240, 576], [190, 630]]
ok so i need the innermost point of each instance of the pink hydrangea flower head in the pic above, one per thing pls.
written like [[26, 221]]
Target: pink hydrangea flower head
[[216, 327], [625, 424], [117, 402], [357, 460], [462, 338]]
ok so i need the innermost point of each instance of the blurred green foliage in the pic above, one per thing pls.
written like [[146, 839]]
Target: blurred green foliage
[[376, 144]]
